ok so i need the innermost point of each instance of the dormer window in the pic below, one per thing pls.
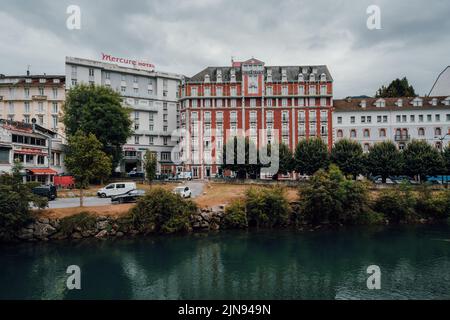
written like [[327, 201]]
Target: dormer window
[[233, 75], [304, 70], [301, 78], [207, 78], [283, 75], [219, 75], [446, 101], [363, 104], [417, 102], [312, 77], [380, 103], [269, 75], [434, 102], [323, 77], [399, 103], [314, 70]]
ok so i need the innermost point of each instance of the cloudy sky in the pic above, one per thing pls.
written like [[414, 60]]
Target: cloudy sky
[[184, 36]]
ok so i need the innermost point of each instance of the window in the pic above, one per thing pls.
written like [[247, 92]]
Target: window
[[233, 91], [91, 72], [41, 120], [150, 141], [136, 139], [352, 119], [420, 118], [284, 90], [207, 91], [412, 118], [366, 133], [27, 107], [429, 117], [312, 90], [421, 132], [55, 107], [438, 132], [340, 134], [369, 119], [41, 91], [219, 103], [41, 107], [437, 117], [165, 141], [165, 156], [252, 103], [363, 119], [26, 93], [385, 119], [353, 133], [219, 91], [55, 122], [207, 103], [339, 120], [284, 103], [123, 89], [194, 91], [233, 103], [301, 90], [382, 133], [26, 118]]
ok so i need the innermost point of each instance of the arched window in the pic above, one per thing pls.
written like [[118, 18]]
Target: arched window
[[301, 78], [366, 147], [382, 133], [323, 77], [340, 134], [312, 77], [438, 132], [366, 133], [353, 133], [421, 132]]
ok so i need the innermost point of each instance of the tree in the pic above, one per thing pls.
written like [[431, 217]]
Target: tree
[[348, 156], [311, 155], [421, 159], [245, 160], [150, 165], [285, 159], [384, 159], [397, 88], [98, 110], [16, 199], [332, 198], [85, 160], [446, 159]]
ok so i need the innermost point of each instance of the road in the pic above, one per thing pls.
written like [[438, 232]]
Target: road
[[195, 186]]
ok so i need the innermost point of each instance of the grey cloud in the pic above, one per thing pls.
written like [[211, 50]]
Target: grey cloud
[[184, 36]]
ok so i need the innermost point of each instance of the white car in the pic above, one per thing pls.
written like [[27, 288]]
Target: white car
[[184, 192], [115, 189]]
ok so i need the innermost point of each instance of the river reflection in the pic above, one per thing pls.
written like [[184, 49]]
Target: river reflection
[[415, 264]]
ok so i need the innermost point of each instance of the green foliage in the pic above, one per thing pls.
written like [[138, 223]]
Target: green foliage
[[243, 156], [311, 155], [267, 207], [431, 205], [285, 158], [397, 205], [422, 159], [384, 159], [85, 159], [16, 199], [446, 159], [397, 88], [235, 216], [150, 165], [82, 221], [332, 198], [98, 110], [162, 211], [348, 156]]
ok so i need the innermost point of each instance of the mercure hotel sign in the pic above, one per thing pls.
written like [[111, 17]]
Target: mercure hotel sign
[[130, 62]]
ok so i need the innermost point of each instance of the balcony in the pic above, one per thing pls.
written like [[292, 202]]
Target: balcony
[[402, 137]]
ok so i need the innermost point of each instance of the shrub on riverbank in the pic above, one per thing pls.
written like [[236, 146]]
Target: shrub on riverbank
[[16, 199], [331, 198], [267, 207], [235, 216], [82, 221], [162, 211], [434, 206]]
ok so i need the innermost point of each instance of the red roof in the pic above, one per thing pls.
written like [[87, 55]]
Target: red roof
[[43, 172]]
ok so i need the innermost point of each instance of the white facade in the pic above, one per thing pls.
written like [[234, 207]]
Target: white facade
[[397, 119], [153, 96]]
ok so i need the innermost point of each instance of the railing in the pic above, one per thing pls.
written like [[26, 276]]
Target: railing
[[402, 137]]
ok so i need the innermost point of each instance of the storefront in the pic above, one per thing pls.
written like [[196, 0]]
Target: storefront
[[44, 176]]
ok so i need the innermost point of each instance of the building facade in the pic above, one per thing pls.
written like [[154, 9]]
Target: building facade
[[153, 96], [39, 150], [288, 103], [23, 98], [397, 119]]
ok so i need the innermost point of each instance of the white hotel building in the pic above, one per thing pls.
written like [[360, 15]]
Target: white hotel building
[[397, 119], [152, 95]]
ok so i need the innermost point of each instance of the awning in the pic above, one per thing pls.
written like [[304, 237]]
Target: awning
[[32, 152], [43, 172]]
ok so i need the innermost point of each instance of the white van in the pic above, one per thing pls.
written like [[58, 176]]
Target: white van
[[115, 189]]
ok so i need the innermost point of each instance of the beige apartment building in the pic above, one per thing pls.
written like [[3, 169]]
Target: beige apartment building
[[41, 97]]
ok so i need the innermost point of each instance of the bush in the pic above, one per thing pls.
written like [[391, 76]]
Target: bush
[[267, 207], [397, 205], [332, 198], [433, 206], [162, 211], [235, 216], [82, 221], [16, 199]]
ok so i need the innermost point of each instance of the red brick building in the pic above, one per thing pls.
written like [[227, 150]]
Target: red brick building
[[290, 102]]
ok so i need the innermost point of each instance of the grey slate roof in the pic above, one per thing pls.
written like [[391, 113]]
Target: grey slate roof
[[292, 73]]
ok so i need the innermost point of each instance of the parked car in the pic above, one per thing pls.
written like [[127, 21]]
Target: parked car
[[48, 191], [130, 196], [184, 191], [184, 175], [115, 189], [379, 180], [135, 174], [403, 179]]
